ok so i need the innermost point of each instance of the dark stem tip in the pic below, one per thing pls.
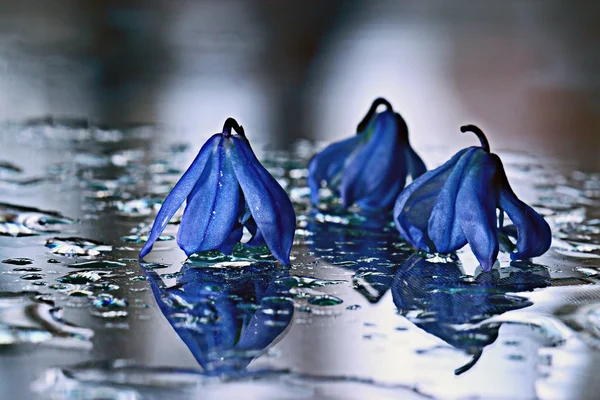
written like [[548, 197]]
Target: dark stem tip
[[479, 133], [376, 103], [231, 123]]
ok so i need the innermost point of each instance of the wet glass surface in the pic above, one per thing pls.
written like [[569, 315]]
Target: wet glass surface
[[359, 314]]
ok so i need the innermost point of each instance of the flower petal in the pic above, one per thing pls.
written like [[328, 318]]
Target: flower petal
[[212, 207], [443, 227], [476, 209], [415, 166], [180, 192], [257, 238], [374, 169], [234, 238], [328, 165], [534, 236], [414, 204], [269, 204]]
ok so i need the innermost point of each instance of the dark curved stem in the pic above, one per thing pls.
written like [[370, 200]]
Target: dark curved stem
[[470, 364], [376, 103], [472, 128], [231, 123]]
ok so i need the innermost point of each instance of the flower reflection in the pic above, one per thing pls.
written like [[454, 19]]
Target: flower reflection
[[440, 299], [226, 316], [368, 247]]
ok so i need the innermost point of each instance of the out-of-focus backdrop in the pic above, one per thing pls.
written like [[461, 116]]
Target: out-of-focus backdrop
[[526, 71]]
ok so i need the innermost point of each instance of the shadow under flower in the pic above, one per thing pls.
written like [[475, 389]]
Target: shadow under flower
[[440, 299], [227, 316]]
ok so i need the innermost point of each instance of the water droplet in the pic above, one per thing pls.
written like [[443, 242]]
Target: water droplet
[[144, 238], [104, 286], [325, 300], [80, 293], [18, 261], [154, 265], [83, 277], [107, 302], [7, 167], [306, 282], [140, 278], [136, 207], [73, 247], [32, 277], [96, 264], [353, 307], [110, 314], [27, 269]]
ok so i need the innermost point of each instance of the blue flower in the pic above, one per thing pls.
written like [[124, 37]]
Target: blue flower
[[370, 168], [227, 189], [455, 204]]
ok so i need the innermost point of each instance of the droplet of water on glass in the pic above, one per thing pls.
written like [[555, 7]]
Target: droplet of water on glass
[[73, 247], [18, 261], [83, 277], [27, 269], [32, 277], [97, 264], [325, 300], [106, 301]]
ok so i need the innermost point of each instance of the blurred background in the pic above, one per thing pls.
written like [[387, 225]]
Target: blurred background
[[526, 71]]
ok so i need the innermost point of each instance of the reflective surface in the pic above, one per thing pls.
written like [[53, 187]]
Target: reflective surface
[[358, 314]]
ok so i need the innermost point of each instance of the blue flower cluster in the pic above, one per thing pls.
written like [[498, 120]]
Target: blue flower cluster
[[462, 202]]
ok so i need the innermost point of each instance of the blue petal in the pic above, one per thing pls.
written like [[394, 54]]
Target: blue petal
[[476, 209], [212, 207], [414, 204], [416, 167], [257, 238], [378, 167], [328, 165], [269, 204], [444, 228], [180, 192], [233, 239], [533, 232]]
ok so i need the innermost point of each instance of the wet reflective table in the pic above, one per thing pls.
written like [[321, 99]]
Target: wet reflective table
[[358, 315]]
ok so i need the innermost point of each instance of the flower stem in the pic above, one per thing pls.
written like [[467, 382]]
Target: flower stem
[[472, 128], [231, 123], [376, 103]]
